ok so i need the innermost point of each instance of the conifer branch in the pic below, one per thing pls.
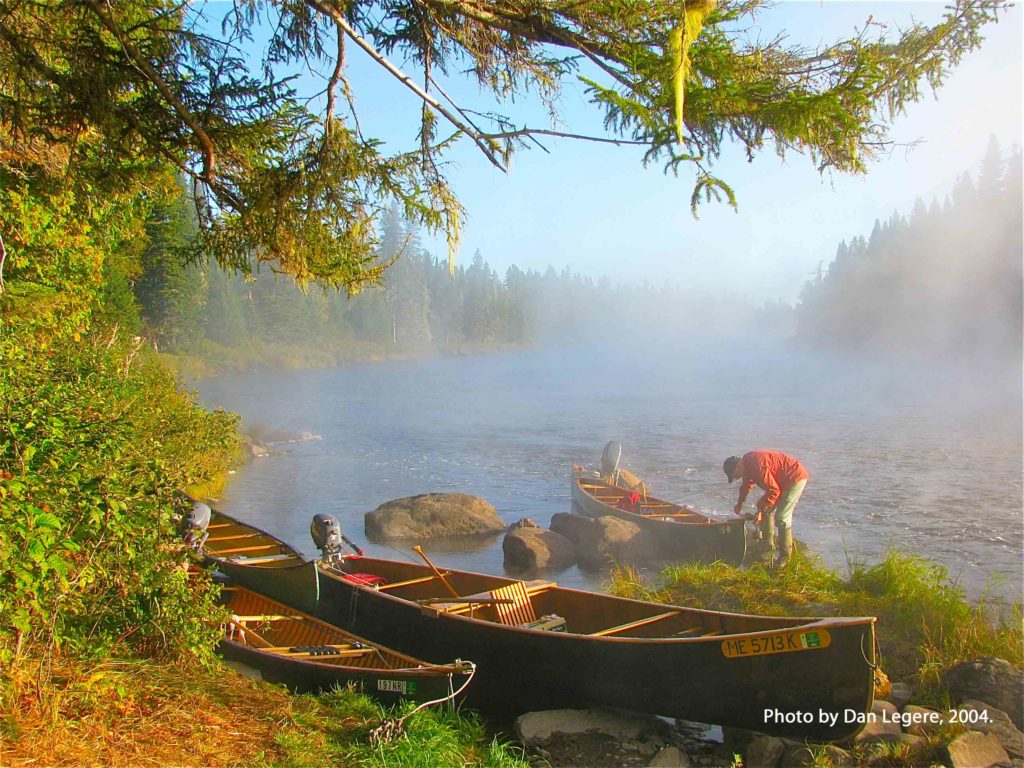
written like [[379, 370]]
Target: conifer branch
[[339, 19]]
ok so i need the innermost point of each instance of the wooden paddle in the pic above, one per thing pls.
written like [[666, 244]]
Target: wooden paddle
[[419, 551]]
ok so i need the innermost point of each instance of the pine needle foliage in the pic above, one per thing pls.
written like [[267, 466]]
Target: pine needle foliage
[[286, 178]]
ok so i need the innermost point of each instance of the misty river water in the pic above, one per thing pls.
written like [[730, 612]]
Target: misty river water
[[919, 459]]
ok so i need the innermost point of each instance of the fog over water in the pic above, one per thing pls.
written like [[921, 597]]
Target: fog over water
[[917, 458]]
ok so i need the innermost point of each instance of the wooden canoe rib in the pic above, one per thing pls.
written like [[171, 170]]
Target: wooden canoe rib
[[683, 533], [584, 648]]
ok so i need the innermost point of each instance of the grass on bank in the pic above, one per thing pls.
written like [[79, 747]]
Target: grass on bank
[[925, 625], [133, 712]]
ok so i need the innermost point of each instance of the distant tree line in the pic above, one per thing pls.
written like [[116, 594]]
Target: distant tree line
[[418, 303], [945, 278]]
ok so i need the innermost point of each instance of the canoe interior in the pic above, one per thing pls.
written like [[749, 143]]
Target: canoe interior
[[266, 625], [230, 539], [585, 613], [648, 506]]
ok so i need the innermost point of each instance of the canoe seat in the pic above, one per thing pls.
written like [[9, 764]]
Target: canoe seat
[[519, 609], [511, 602]]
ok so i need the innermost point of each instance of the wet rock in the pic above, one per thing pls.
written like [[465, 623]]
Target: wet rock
[[606, 539], [991, 680], [921, 721], [524, 522], [881, 726], [253, 448], [595, 737], [764, 751], [976, 750], [532, 549], [432, 515], [997, 723], [900, 695]]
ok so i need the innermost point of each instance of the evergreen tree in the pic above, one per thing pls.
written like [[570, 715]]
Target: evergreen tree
[[171, 292]]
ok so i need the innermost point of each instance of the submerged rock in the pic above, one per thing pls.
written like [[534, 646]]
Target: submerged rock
[[432, 515]]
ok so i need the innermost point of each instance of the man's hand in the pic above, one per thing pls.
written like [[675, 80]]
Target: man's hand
[[738, 509]]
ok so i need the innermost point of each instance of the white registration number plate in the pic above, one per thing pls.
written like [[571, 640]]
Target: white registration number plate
[[392, 686]]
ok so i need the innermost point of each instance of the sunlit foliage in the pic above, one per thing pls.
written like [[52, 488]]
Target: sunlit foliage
[[99, 88]]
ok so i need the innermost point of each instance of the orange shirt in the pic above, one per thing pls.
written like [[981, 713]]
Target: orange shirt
[[772, 471]]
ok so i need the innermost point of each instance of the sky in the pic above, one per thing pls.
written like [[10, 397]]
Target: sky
[[594, 209]]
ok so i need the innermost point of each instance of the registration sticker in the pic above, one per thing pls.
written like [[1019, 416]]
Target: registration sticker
[[396, 686], [780, 642]]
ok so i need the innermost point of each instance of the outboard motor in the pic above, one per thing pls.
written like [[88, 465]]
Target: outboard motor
[[329, 539], [610, 458], [194, 524]]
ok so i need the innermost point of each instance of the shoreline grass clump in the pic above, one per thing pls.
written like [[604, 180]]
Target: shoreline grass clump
[[123, 713], [925, 624]]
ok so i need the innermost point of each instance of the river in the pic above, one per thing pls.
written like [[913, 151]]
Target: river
[[918, 459]]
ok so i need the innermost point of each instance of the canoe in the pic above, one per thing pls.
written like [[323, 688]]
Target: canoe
[[253, 558], [309, 655], [538, 645], [682, 532]]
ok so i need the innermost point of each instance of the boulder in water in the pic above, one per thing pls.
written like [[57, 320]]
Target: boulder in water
[[528, 549], [603, 540], [432, 515]]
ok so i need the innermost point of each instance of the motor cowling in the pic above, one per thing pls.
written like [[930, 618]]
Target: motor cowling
[[194, 524], [611, 457], [327, 535]]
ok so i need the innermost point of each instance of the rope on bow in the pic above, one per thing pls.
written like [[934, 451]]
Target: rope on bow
[[392, 729]]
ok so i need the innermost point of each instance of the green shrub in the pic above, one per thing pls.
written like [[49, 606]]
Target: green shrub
[[95, 441]]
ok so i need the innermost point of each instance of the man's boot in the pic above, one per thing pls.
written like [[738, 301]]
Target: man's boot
[[768, 532], [785, 545]]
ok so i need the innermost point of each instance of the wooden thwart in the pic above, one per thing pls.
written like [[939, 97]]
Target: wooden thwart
[[232, 538], [634, 624]]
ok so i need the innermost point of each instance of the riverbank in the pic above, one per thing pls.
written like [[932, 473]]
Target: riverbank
[[127, 712], [925, 624], [207, 358]]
